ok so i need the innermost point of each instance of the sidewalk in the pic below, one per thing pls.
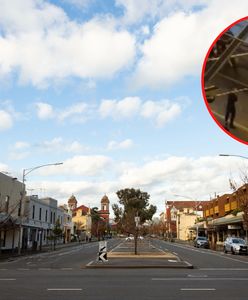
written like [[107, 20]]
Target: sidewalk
[[46, 248], [148, 256]]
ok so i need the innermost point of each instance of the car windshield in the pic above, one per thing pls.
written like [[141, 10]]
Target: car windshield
[[201, 238], [238, 241]]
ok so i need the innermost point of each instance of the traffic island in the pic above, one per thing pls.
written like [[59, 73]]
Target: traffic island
[[148, 256]]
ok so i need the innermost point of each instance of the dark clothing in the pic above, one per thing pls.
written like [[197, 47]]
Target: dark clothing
[[230, 109]]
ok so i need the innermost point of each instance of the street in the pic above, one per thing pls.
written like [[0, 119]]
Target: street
[[62, 275]]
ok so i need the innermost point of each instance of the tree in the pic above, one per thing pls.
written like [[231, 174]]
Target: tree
[[241, 194], [56, 233], [133, 212]]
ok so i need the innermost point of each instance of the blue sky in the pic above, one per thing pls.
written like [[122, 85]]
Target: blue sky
[[112, 89]]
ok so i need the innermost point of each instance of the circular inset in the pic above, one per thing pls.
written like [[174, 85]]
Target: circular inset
[[225, 80]]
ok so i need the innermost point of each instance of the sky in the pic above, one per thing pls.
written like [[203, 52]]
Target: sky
[[113, 90]]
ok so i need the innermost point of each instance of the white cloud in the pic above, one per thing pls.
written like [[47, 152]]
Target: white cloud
[[137, 10], [21, 145], [161, 112], [6, 121], [79, 3], [70, 112], [124, 108], [180, 41], [81, 165], [58, 144], [44, 110], [196, 178], [41, 44], [126, 144]]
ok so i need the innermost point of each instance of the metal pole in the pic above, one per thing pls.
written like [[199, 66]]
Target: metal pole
[[20, 207], [24, 173]]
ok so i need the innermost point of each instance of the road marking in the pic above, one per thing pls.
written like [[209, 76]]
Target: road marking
[[200, 279], [197, 276], [175, 253], [172, 260], [198, 289], [66, 269], [64, 289], [3, 269], [90, 263], [7, 279], [223, 269], [44, 269], [23, 269]]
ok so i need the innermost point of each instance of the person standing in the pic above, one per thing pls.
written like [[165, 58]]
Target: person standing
[[230, 111]]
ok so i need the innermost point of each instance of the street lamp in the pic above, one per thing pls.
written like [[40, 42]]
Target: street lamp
[[234, 155], [25, 172]]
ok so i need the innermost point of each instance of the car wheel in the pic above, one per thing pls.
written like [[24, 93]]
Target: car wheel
[[232, 251], [225, 251]]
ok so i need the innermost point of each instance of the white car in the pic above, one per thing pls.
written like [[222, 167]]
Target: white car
[[235, 245], [130, 238]]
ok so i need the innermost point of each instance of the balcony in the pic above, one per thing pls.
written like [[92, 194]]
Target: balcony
[[234, 205], [227, 207]]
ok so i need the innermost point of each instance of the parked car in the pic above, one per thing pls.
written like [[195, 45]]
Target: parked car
[[201, 242], [130, 238], [235, 245]]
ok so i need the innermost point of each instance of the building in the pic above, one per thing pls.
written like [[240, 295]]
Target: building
[[10, 198], [104, 212], [81, 218], [39, 219], [180, 217], [225, 216]]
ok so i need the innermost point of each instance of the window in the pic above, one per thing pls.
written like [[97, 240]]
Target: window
[[33, 213], [51, 217], [40, 213], [54, 217], [46, 216], [7, 204]]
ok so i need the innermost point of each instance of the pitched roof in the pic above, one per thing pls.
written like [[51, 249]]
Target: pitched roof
[[185, 204], [83, 208]]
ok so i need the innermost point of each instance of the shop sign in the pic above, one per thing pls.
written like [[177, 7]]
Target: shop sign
[[233, 227]]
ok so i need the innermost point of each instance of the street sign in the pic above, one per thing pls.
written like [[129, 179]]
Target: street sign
[[102, 254]]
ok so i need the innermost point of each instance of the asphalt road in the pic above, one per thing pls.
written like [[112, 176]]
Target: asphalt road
[[58, 275]]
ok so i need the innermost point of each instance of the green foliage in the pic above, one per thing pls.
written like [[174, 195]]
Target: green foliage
[[133, 203]]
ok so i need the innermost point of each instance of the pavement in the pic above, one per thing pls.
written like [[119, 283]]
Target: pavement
[[7, 256], [148, 256]]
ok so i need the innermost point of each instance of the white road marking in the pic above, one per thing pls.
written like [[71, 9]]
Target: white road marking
[[200, 279], [3, 269], [44, 269], [197, 276], [66, 269], [64, 289], [23, 269], [90, 263], [175, 253], [223, 269], [172, 260], [208, 251], [7, 279], [198, 289]]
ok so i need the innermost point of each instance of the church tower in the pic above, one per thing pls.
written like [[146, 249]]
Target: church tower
[[104, 212], [72, 202]]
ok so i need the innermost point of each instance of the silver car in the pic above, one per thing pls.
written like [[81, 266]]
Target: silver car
[[235, 245]]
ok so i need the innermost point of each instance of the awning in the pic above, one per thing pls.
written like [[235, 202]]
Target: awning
[[230, 219]]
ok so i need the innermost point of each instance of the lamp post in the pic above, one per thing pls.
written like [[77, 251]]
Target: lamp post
[[234, 155], [25, 172]]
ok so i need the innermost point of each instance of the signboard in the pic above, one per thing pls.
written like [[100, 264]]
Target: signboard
[[233, 227], [102, 254]]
